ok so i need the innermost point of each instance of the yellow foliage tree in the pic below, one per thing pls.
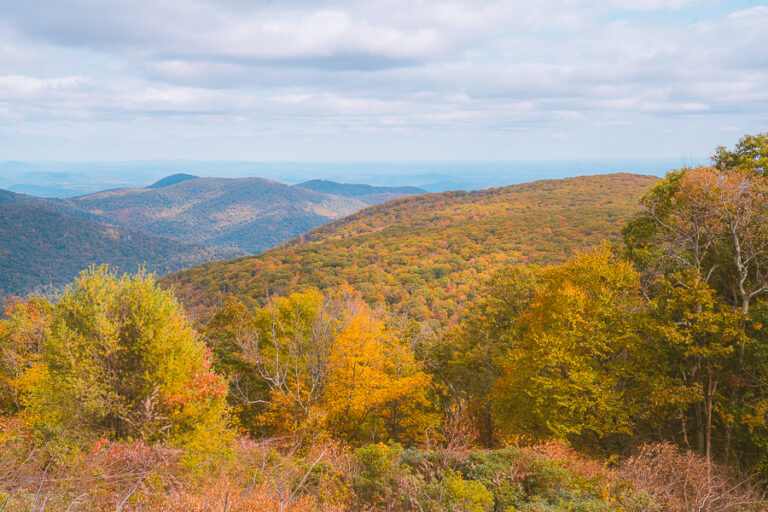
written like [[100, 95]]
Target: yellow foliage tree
[[569, 371], [377, 389], [22, 330], [120, 359], [330, 365]]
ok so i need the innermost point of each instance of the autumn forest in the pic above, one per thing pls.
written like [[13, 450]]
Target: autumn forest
[[591, 344]]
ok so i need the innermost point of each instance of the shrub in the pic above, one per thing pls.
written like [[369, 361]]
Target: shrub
[[376, 467], [133, 476], [684, 481], [461, 495]]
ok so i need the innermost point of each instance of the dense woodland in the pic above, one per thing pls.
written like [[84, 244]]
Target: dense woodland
[[427, 255], [631, 376], [42, 249]]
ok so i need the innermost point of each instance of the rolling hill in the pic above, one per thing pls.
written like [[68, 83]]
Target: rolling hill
[[62, 206], [172, 180], [425, 254], [41, 249], [368, 194], [252, 214]]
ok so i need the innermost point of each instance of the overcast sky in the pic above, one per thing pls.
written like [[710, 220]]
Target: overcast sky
[[379, 80]]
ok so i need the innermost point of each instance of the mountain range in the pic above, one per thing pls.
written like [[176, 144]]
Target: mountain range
[[177, 222], [251, 214]]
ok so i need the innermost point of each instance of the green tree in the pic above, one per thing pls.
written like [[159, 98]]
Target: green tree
[[569, 371], [697, 336], [230, 328], [750, 409], [286, 348], [707, 229], [467, 360], [120, 359], [750, 155]]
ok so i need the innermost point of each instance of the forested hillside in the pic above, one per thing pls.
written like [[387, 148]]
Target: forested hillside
[[172, 180], [41, 249], [251, 214], [426, 254], [8, 197]]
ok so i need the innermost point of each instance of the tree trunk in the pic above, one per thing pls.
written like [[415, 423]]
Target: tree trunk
[[699, 418]]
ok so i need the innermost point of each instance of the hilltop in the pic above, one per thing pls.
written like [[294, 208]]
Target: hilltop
[[424, 254], [369, 194], [172, 180], [44, 249]]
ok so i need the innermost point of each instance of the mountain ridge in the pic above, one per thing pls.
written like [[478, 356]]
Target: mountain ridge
[[251, 214], [369, 194], [172, 180]]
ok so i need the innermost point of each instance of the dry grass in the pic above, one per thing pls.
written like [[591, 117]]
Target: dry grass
[[271, 475], [578, 463], [132, 476], [687, 482]]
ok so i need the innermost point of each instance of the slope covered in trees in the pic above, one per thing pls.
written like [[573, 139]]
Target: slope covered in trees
[[8, 197], [251, 214], [41, 249], [425, 254], [177, 222]]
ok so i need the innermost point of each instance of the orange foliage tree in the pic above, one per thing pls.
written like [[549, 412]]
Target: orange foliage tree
[[307, 364]]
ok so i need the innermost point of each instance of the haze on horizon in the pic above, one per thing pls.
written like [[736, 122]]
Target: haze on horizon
[[335, 80]]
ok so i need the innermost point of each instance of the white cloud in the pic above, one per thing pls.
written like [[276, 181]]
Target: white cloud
[[19, 87], [397, 66]]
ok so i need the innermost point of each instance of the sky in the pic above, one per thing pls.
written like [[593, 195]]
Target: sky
[[379, 80]]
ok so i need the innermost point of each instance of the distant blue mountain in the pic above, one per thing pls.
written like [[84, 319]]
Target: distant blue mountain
[[70, 179], [366, 193], [172, 180], [44, 190]]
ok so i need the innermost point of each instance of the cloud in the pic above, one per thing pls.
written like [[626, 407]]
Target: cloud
[[421, 67], [25, 87], [200, 30]]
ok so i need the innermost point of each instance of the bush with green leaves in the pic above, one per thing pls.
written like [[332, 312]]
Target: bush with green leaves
[[460, 495], [377, 465], [537, 479], [120, 360]]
